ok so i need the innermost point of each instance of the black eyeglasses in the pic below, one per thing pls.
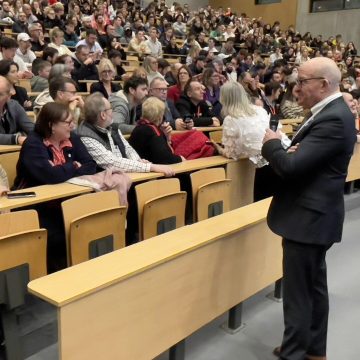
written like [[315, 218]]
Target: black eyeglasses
[[301, 82]]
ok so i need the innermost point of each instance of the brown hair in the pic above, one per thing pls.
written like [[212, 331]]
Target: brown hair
[[51, 113]]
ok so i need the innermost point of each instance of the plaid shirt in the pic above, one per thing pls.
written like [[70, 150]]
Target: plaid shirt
[[106, 158]]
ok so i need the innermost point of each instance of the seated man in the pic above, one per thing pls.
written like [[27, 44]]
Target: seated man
[[20, 25], [191, 104], [125, 101], [105, 142], [37, 38], [84, 66], [158, 89], [154, 44], [138, 44], [63, 91], [8, 52], [198, 65], [91, 42], [24, 50], [14, 123]]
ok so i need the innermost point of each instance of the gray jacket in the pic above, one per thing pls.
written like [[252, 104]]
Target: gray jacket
[[122, 112], [18, 123]]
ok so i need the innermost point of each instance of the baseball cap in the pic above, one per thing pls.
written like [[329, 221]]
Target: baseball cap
[[23, 37]]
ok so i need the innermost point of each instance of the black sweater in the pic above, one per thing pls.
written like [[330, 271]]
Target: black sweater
[[151, 144]]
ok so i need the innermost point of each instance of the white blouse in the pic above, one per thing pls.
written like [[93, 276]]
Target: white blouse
[[242, 136]]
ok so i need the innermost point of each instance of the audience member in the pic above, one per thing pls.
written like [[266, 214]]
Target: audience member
[[106, 73], [151, 138], [14, 123], [125, 101], [191, 104]]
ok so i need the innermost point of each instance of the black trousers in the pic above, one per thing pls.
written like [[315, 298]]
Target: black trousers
[[305, 300]]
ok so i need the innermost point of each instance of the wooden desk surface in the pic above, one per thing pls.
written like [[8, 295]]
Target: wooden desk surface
[[291, 121], [43, 193], [81, 280], [185, 166], [9, 148]]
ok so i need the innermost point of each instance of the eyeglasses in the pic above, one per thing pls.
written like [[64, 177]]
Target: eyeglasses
[[153, 62], [67, 122], [301, 82], [106, 72], [164, 90], [107, 109]]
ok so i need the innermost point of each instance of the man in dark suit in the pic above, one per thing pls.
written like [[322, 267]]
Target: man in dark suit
[[307, 210]]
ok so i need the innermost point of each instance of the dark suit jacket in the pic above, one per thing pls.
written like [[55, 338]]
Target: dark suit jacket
[[308, 206]]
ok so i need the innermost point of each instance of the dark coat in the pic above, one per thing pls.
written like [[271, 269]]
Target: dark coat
[[308, 206], [34, 168], [18, 123], [201, 113]]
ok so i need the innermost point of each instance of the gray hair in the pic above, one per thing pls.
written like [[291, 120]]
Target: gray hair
[[57, 70], [94, 105], [235, 101], [155, 79]]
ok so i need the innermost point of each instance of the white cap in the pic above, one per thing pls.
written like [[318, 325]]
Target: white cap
[[23, 37]]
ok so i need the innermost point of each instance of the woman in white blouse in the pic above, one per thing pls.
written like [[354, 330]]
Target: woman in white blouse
[[243, 131]]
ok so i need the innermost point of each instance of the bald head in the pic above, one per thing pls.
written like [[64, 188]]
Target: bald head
[[318, 78], [325, 68]]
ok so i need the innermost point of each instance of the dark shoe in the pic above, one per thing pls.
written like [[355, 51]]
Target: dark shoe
[[277, 351]]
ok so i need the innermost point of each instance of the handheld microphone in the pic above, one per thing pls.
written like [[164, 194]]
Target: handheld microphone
[[273, 124]]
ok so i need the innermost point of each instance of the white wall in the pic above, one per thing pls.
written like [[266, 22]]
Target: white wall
[[345, 22]]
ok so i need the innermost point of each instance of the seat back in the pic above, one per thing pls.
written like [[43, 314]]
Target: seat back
[[200, 178], [8, 162], [151, 190], [163, 214], [213, 199], [83, 205], [216, 136], [96, 234], [25, 83], [18, 221], [22, 242]]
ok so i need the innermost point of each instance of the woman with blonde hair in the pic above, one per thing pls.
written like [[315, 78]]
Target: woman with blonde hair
[[149, 139], [57, 40], [106, 75], [140, 72], [151, 67], [243, 131]]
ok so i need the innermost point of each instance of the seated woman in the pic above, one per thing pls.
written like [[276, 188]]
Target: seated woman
[[148, 138], [52, 153], [57, 40], [66, 60], [106, 74], [10, 70], [115, 57], [151, 67], [243, 131], [289, 107], [175, 91], [211, 81]]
